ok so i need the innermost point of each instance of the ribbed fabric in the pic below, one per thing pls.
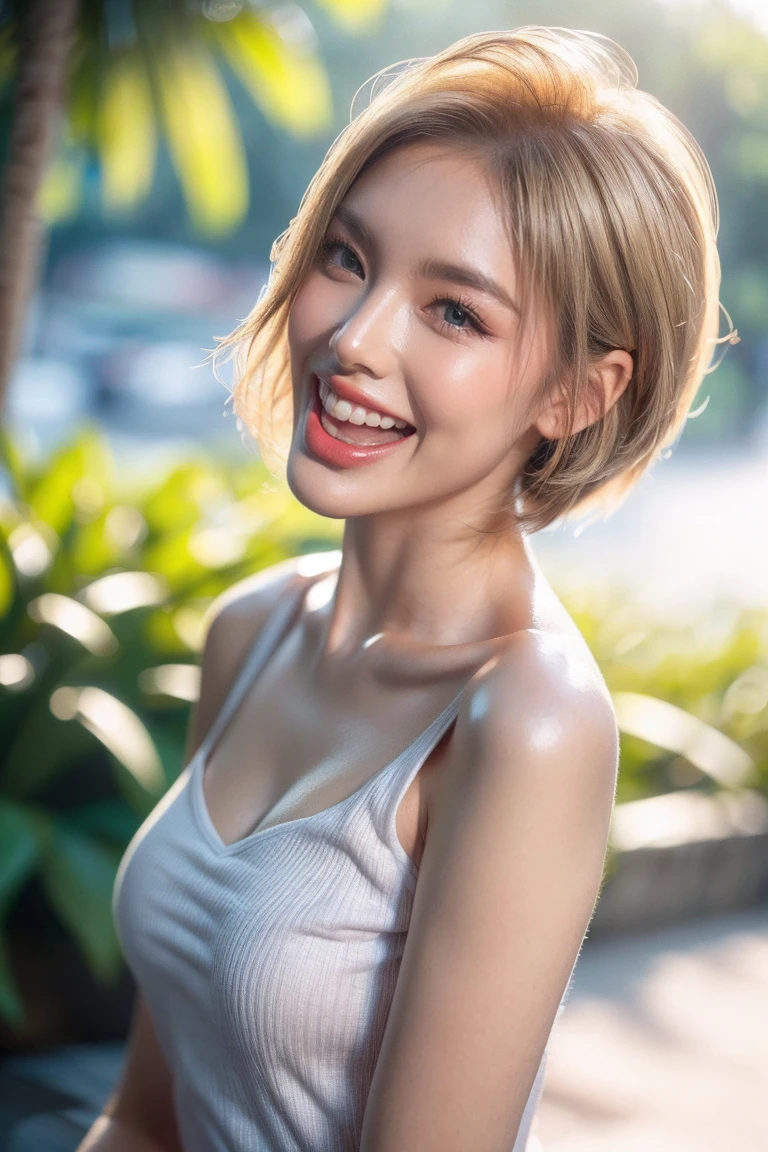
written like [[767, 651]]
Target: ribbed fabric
[[269, 964]]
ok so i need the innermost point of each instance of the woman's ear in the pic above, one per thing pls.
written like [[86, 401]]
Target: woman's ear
[[608, 377]]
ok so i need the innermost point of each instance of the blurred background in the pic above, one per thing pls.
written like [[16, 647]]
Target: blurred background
[[165, 146]]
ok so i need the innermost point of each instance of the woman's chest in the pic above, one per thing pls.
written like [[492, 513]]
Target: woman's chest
[[248, 942], [295, 749]]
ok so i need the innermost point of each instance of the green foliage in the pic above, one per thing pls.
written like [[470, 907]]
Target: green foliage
[[103, 590], [712, 671], [144, 72]]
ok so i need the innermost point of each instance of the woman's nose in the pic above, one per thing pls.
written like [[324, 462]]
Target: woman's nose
[[369, 334]]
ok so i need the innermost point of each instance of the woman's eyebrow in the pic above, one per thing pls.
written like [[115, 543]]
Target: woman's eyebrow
[[469, 277], [432, 268], [356, 226]]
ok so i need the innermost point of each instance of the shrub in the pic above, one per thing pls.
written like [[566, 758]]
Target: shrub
[[103, 585]]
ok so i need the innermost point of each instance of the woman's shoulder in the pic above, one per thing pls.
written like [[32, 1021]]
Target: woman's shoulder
[[543, 686], [535, 728], [235, 619], [553, 660], [246, 605]]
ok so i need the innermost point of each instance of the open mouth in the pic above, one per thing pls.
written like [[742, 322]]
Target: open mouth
[[355, 424]]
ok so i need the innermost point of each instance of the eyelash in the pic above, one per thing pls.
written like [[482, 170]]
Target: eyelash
[[332, 242]]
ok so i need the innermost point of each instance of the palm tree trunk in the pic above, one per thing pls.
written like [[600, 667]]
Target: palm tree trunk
[[45, 34]]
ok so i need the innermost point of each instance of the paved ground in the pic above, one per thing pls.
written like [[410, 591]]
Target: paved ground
[[663, 1044]]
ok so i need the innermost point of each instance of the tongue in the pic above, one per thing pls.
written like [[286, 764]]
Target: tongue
[[363, 434]]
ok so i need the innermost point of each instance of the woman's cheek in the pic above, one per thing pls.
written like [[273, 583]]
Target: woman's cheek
[[458, 396], [301, 319]]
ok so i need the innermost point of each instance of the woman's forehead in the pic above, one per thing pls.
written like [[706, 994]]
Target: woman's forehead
[[427, 169], [437, 206]]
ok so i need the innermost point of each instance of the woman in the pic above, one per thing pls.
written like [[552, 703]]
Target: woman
[[354, 918]]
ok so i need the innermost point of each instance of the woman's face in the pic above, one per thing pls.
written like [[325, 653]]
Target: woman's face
[[409, 317]]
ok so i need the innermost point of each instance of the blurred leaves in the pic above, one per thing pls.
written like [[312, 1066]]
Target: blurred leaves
[[747, 153], [203, 138], [128, 132], [702, 684], [353, 14], [19, 854], [671, 728], [285, 78], [18, 859], [103, 592], [78, 876], [6, 582], [144, 72], [750, 293], [728, 398], [730, 46]]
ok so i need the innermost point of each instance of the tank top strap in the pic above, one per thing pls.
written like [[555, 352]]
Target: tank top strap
[[392, 784], [273, 631]]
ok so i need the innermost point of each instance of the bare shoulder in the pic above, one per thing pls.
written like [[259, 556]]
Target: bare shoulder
[[234, 621], [540, 708], [538, 674], [245, 606]]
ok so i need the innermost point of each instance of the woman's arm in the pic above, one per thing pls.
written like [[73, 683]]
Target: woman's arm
[[507, 885], [139, 1116]]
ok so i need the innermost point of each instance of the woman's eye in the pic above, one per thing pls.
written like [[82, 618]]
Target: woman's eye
[[349, 261], [458, 317]]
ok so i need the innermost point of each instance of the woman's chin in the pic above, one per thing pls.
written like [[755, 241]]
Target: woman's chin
[[317, 488]]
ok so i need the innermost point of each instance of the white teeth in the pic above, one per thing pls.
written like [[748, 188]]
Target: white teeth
[[342, 410], [328, 401], [354, 414], [335, 432]]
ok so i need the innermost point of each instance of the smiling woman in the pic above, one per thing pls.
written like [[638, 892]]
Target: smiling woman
[[610, 215], [355, 917], [410, 280]]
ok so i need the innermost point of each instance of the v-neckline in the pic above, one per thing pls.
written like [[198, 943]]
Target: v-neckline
[[430, 735]]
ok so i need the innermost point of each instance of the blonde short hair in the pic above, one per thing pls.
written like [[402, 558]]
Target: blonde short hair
[[612, 217]]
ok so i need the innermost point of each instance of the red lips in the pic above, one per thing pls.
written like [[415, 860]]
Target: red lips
[[338, 453]]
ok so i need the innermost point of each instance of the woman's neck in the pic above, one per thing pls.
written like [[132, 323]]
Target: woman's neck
[[427, 586]]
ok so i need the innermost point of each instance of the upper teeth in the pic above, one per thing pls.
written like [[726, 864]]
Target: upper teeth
[[355, 414]]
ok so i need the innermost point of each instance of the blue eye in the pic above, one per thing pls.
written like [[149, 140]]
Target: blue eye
[[459, 305], [462, 311], [330, 245]]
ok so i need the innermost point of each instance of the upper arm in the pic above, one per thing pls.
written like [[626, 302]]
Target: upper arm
[[233, 623], [143, 1099], [507, 886]]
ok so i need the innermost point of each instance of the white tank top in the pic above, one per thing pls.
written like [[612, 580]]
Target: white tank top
[[269, 964]]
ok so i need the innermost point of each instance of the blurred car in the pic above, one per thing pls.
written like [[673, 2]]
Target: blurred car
[[120, 333]]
